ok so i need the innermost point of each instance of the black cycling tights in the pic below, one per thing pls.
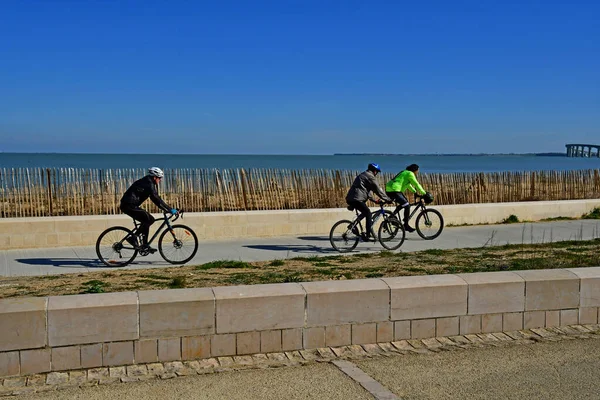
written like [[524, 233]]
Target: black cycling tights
[[365, 212], [144, 217]]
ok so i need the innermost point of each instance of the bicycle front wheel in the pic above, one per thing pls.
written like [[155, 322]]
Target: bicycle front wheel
[[179, 246], [391, 234], [113, 249], [378, 218], [341, 237], [429, 224]]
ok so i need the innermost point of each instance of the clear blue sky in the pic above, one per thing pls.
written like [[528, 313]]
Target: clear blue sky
[[298, 77]]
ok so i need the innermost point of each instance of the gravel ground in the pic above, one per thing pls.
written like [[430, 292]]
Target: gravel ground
[[569, 369], [314, 381]]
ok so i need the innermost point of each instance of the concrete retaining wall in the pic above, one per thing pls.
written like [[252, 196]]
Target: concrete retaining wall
[[62, 333], [18, 233]]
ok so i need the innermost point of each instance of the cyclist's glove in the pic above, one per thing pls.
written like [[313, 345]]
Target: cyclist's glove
[[173, 211]]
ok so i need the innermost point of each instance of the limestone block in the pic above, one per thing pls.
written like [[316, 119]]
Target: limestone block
[[16, 241], [491, 323], [66, 358], [470, 324], [588, 315], [385, 332], [447, 326], [222, 345], [22, 323], [495, 292], [145, 351], [177, 312], [534, 319], [338, 335], [512, 322], [291, 339], [550, 289], [401, 330], [589, 290], [418, 297], [4, 241], [35, 361], [270, 341], [90, 318], [314, 337], [248, 343], [169, 349], [118, 353], [344, 302], [9, 363], [91, 355], [364, 333], [552, 318], [195, 347], [422, 328], [259, 307], [569, 317]]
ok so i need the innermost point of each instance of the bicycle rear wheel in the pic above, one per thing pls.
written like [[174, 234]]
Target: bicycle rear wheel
[[391, 234], [341, 237], [180, 247], [113, 249], [429, 224]]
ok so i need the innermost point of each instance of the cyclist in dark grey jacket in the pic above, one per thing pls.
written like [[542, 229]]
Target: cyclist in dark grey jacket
[[137, 193], [359, 194]]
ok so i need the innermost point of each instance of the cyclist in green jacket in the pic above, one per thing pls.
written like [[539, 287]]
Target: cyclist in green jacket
[[404, 180]]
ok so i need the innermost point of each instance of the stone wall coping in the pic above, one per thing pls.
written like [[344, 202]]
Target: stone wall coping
[[547, 275], [404, 282], [482, 278], [352, 285], [92, 300], [586, 273], [252, 291], [23, 304], [175, 295]]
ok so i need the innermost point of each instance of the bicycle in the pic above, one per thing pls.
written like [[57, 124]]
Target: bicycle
[[429, 222], [118, 246], [345, 234]]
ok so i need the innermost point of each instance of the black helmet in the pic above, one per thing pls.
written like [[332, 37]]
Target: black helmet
[[428, 198], [373, 167]]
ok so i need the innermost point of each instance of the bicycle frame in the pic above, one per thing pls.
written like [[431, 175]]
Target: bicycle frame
[[419, 206], [166, 221]]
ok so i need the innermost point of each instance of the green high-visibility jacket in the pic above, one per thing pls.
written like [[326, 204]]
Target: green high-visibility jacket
[[404, 180]]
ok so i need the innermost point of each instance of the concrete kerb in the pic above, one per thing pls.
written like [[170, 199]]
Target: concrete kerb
[[43, 232]]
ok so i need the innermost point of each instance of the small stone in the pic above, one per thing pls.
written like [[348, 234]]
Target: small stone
[[127, 379], [515, 335], [23, 390], [207, 365], [173, 366], [402, 345], [474, 338], [460, 339], [488, 337], [243, 360], [77, 378], [57, 378], [388, 348], [117, 372], [280, 358], [431, 343], [156, 369], [108, 380], [310, 355], [445, 341], [226, 362], [19, 381], [97, 373], [581, 328], [417, 344], [137, 370], [373, 349], [502, 336], [195, 365], [357, 351], [542, 332], [36, 380], [326, 353], [294, 356]]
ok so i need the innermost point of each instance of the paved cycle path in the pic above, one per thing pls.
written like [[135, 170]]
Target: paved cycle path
[[83, 259]]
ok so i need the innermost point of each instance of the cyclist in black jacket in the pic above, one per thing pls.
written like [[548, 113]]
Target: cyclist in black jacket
[[137, 193]]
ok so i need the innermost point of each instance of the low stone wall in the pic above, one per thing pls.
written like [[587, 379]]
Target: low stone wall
[[69, 333], [16, 233]]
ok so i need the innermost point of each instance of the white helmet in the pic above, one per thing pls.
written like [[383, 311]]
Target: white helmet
[[155, 171]]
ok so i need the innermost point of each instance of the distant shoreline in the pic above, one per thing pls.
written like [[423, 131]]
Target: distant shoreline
[[456, 154]]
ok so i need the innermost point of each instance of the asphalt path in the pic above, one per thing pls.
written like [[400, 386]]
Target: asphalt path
[[45, 261]]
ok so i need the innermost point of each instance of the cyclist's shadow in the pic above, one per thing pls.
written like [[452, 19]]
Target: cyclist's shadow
[[69, 262]]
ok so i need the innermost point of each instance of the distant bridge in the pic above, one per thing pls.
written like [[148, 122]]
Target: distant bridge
[[583, 150]]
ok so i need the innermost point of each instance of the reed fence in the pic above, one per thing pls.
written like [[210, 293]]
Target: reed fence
[[36, 192]]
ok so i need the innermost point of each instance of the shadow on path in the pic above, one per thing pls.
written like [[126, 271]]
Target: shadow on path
[[292, 248], [70, 262]]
